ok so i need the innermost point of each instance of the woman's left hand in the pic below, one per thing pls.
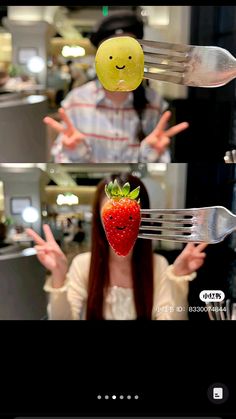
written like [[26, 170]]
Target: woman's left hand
[[160, 137], [190, 259]]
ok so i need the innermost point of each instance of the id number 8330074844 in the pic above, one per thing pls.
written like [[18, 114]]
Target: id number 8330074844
[[190, 309]]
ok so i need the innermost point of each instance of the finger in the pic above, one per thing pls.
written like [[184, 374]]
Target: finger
[[176, 129], [44, 248], [69, 143], [54, 124], [200, 247], [47, 248], [189, 246], [66, 119], [40, 251], [197, 264], [163, 121], [35, 236], [160, 143], [48, 234], [199, 256], [41, 256]]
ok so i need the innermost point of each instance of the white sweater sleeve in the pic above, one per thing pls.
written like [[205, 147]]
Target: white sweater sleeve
[[68, 302], [170, 292]]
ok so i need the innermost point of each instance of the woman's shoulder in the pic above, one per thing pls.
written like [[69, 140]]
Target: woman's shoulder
[[82, 93], [155, 99]]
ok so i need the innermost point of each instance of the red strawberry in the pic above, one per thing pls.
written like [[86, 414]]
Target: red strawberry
[[121, 217]]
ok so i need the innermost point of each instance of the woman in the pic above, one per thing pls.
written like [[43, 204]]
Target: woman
[[104, 127], [101, 285]]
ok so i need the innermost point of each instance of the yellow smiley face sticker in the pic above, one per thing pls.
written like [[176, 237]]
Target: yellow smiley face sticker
[[119, 64]]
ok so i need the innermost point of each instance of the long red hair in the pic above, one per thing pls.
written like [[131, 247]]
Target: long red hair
[[142, 259]]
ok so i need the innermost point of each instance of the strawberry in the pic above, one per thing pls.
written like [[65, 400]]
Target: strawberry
[[121, 217]]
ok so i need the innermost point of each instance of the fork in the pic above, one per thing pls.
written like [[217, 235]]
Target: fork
[[206, 224], [189, 65]]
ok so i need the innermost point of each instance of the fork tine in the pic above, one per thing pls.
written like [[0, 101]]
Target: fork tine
[[184, 211], [167, 220], [165, 45], [164, 228], [177, 79], [169, 237], [172, 58], [177, 68]]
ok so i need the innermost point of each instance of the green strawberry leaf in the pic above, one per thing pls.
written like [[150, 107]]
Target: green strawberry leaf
[[109, 187], [107, 191], [126, 189], [116, 190], [135, 193]]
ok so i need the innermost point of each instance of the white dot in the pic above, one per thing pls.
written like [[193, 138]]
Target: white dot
[[114, 397], [121, 397], [136, 397], [99, 397], [106, 397], [129, 397]]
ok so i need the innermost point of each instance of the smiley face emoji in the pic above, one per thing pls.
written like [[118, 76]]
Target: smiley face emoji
[[119, 64]]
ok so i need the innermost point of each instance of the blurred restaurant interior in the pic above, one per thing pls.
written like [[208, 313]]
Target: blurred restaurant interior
[[62, 196], [45, 51]]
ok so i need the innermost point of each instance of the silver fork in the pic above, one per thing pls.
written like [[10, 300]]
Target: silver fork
[[190, 65], [206, 224]]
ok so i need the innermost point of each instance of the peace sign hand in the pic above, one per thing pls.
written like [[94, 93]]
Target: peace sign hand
[[190, 259], [50, 255], [159, 138], [71, 136]]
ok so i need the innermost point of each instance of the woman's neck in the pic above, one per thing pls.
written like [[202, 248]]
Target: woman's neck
[[114, 258], [120, 270], [117, 97]]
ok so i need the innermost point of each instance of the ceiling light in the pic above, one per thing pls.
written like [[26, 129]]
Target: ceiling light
[[67, 199], [36, 64], [75, 51], [30, 215]]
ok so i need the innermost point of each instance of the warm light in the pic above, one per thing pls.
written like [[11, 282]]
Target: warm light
[[76, 51], [154, 70], [144, 13], [30, 215], [156, 167], [69, 199], [36, 64]]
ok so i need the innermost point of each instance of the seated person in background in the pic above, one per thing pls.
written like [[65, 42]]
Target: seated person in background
[[2, 234], [4, 77], [102, 126], [7, 245], [80, 233], [102, 285], [78, 77]]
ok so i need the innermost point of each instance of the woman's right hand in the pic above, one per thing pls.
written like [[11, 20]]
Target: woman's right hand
[[50, 255], [71, 137]]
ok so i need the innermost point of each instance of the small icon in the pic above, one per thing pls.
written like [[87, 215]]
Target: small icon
[[218, 393], [209, 296]]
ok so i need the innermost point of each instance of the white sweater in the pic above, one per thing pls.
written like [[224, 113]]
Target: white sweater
[[69, 302]]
